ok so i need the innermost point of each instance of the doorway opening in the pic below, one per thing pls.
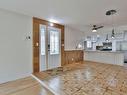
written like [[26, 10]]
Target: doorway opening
[[48, 45]]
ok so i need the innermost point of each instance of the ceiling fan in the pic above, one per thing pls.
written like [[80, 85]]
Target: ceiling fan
[[95, 28]]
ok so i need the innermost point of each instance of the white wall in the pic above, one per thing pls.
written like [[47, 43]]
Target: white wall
[[72, 38], [15, 51]]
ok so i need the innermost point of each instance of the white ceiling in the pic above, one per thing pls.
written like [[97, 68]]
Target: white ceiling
[[79, 14]]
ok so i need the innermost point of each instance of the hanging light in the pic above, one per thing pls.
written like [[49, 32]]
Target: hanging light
[[107, 40], [111, 13], [113, 34]]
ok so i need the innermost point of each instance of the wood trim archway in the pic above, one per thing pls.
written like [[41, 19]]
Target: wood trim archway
[[36, 41]]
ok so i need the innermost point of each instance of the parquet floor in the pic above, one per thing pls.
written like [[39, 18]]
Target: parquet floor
[[88, 78]]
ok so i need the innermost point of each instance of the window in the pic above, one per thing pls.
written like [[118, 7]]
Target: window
[[42, 41], [89, 44], [54, 42]]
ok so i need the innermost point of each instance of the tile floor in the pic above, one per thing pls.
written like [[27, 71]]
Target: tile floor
[[88, 78]]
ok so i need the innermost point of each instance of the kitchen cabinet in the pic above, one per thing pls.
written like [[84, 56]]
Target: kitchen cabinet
[[119, 35], [125, 35], [121, 45], [109, 57]]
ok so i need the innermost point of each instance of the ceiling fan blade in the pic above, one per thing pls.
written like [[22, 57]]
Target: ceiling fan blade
[[100, 27], [95, 27]]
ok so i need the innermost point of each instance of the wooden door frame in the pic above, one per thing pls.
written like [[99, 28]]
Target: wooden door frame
[[36, 42]]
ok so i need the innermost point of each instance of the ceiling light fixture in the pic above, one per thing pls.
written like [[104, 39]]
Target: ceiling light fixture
[[51, 24], [94, 30], [111, 13], [53, 21]]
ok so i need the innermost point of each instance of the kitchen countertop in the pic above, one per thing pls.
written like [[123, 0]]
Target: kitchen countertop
[[98, 51]]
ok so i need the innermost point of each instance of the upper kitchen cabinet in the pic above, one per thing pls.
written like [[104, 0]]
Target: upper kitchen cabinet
[[93, 38], [125, 35], [119, 35], [121, 45]]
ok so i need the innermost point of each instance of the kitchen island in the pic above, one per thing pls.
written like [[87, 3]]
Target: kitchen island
[[109, 57]]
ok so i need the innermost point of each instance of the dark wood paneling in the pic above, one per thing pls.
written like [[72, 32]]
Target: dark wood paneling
[[73, 56], [35, 47]]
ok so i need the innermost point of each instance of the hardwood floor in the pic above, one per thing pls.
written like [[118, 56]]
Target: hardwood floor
[[26, 86], [125, 65], [83, 78], [88, 78]]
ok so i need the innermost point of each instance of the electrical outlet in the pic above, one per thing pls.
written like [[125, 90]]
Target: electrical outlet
[[72, 59]]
